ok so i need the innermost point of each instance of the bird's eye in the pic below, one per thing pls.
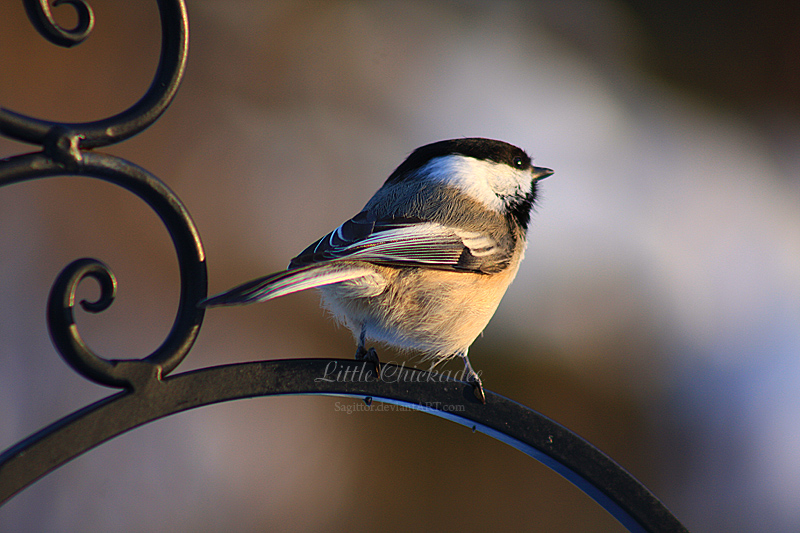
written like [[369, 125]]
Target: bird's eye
[[519, 163]]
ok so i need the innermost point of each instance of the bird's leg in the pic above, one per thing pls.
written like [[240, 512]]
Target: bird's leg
[[362, 354], [473, 378]]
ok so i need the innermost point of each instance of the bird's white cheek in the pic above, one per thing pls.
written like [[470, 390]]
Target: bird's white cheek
[[485, 181], [472, 176], [511, 182]]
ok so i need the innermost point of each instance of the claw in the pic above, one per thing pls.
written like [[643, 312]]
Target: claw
[[362, 354], [477, 388], [369, 355], [474, 379]]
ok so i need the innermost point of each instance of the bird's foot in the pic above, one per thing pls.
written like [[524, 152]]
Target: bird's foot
[[474, 379], [477, 387], [370, 356]]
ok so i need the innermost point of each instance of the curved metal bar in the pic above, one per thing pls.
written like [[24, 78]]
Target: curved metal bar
[[532, 433], [42, 18], [174, 48], [129, 373]]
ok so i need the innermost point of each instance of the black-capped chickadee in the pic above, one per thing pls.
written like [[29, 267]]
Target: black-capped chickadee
[[424, 265]]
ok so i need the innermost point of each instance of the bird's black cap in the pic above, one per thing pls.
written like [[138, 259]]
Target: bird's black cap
[[476, 147]]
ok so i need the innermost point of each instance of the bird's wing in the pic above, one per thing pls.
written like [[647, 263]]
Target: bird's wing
[[408, 242], [394, 241]]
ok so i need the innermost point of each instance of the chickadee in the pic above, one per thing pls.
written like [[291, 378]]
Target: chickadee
[[424, 265]]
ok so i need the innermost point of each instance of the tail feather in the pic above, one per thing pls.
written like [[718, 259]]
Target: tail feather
[[281, 284]]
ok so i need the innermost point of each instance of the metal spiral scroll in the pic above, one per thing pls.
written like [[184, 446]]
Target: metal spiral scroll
[[42, 18], [64, 152], [148, 393], [65, 140]]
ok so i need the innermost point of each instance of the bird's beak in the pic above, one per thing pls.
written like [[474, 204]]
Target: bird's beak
[[540, 173]]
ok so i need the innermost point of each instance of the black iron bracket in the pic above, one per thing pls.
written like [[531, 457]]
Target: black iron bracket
[[148, 392]]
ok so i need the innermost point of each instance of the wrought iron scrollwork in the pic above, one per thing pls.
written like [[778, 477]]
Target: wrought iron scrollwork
[[191, 262], [65, 152], [148, 393], [65, 140], [42, 18]]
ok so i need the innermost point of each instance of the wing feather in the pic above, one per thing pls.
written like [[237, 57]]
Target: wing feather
[[408, 242]]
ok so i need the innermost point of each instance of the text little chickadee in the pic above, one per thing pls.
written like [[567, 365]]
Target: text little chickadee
[[425, 264]]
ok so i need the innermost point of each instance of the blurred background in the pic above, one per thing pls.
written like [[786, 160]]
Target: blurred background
[[657, 313]]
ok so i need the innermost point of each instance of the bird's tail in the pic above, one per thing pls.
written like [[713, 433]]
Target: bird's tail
[[281, 284]]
